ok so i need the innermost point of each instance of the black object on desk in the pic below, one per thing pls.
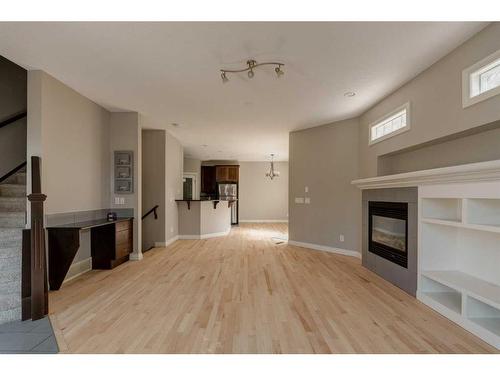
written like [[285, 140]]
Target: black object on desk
[[111, 244]]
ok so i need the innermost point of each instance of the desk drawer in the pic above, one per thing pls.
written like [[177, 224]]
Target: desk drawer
[[123, 225], [124, 236], [123, 249]]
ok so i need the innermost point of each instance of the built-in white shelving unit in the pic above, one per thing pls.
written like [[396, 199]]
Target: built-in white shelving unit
[[459, 254]]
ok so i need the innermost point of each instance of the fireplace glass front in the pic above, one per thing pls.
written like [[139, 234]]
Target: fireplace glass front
[[388, 230]]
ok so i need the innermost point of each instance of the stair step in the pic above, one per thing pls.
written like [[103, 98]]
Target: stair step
[[9, 276], [12, 220], [9, 301], [10, 252], [13, 204], [12, 263], [12, 190], [10, 315], [10, 235], [18, 178]]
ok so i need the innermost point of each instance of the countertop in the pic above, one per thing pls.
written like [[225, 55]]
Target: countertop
[[89, 224]]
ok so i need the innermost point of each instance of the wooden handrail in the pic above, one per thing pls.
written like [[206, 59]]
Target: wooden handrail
[[14, 171], [38, 266], [13, 118], [150, 211]]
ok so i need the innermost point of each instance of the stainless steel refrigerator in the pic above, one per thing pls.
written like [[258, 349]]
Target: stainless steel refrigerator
[[230, 192]]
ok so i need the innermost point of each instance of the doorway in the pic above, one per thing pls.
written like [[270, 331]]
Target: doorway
[[189, 186]]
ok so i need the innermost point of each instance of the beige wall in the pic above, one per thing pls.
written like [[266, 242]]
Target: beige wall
[[71, 135], [194, 166], [153, 186], [435, 98], [174, 160], [325, 159], [260, 198], [125, 135]]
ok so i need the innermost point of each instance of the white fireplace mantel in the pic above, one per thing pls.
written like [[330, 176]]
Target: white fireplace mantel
[[483, 171]]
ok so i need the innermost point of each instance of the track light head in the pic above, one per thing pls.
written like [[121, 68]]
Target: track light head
[[278, 71], [224, 77]]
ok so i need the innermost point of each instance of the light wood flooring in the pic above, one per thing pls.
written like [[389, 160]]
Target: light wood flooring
[[246, 294]]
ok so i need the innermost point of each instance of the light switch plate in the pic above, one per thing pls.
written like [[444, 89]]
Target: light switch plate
[[307, 200], [299, 200], [306, 189]]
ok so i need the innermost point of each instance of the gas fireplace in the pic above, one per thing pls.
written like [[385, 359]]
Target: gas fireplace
[[388, 231]]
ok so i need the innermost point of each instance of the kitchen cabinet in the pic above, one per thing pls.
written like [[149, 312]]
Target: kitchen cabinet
[[227, 173], [208, 181]]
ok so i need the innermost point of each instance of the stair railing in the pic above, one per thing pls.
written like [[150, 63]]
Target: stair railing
[[153, 210], [35, 290]]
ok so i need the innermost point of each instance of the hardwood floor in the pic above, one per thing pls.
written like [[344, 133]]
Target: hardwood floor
[[246, 294]]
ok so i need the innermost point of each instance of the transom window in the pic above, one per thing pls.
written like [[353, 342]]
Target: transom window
[[482, 80], [485, 79], [394, 123]]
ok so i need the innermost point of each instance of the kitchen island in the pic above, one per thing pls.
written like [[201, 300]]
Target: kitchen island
[[200, 219]]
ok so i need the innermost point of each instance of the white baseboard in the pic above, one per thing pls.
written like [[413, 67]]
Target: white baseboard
[[203, 236], [169, 242], [78, 268], [329, 249], [135, 256], [264, 221]]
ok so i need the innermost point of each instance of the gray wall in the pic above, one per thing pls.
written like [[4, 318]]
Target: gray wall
[[153, 186], [325, 159], [13, 99], [174, 160], [71, 134], [435, 97], [194, 166], [125, 135], [261, 198], [325, 156], [468, 148]]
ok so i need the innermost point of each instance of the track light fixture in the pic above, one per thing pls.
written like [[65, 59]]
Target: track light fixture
[[251, 65]]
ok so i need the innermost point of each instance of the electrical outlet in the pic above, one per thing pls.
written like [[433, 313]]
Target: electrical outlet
[[171, 229], [307, 200], [341, 238], [122, 200], [306, 189]]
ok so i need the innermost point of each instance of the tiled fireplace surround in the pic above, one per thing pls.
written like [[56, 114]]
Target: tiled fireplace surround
[[404, 278]]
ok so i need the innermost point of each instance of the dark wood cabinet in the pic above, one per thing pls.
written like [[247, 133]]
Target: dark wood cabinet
[[208, 181], [111, 245], [111, 248], [227, 173]]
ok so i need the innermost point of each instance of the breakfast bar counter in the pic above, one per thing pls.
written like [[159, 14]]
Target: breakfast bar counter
[[200, 219]]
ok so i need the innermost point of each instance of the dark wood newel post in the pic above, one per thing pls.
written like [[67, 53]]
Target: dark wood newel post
[[39, 296]]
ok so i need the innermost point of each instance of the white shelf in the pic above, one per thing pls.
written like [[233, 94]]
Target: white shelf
[[472, 286], [450, 300], [447, 209], [490, 324], [458, 224]]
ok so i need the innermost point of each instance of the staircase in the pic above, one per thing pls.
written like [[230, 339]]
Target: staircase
[[12, 222]]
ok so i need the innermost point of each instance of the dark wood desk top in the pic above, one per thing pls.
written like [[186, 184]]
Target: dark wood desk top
[[89, 224]]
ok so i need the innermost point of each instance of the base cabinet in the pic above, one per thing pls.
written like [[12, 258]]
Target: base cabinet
[[111, 246]]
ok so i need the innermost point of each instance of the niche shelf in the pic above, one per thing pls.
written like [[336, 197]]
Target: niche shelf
[[459, 255], [443, 209]]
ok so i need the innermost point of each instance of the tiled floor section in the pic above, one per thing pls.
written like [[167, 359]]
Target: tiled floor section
[[28, 337]]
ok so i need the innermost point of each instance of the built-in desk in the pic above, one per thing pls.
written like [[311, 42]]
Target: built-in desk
[[111, 244]]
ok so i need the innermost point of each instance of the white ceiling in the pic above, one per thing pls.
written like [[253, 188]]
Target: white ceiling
[[169, 73]]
